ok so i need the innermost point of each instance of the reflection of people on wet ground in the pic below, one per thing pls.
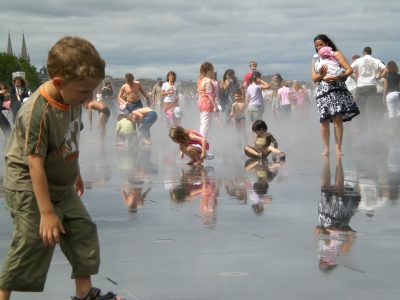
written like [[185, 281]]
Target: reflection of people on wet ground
[[262, 145], [191, 185], [196, 182], [125, 131], [144, 118], [337, 206], [257, 183], [101, 169], [191, 143], [104, 114], [235, 187], [135, 197]]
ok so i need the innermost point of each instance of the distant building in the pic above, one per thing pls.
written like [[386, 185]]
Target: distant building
[[24, 52], [43, 75]]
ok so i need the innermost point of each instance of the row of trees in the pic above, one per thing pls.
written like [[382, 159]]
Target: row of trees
[[8, 65]]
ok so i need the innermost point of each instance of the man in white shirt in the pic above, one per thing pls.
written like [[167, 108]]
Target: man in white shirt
[[370, 70]]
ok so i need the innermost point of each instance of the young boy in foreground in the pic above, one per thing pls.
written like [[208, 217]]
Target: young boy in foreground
[[262, 145], [42, 181]]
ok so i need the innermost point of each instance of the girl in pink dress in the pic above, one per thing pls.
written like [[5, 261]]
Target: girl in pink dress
[[191, 143]]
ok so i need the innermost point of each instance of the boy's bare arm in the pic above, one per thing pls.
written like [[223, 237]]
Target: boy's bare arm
[[232, 112], [90, 115], [121, 93], [116, 136], [50, 225], [139, 116], [144, 94]]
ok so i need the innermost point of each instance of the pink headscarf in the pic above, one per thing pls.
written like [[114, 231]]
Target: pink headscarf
[[325, 53]]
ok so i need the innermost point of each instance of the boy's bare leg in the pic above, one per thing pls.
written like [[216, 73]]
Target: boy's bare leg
[[4, 294], [238, 129], [83, 285], [252, 152], [337, 121], [325, 134]]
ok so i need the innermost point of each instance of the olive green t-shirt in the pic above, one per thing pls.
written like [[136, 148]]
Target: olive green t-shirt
[[49, 129], [157, 92], [264, 141], [275, 87]]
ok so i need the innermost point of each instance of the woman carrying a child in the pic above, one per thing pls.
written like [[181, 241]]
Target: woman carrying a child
[[329, 69]]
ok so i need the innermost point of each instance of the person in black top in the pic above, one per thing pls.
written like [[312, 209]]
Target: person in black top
[[18, 93], [391, 94], [4, 124]]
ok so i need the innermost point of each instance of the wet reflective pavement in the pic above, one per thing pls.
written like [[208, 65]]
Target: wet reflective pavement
[[308, 228]]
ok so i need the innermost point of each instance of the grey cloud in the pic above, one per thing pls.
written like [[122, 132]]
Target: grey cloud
[[149, 38]]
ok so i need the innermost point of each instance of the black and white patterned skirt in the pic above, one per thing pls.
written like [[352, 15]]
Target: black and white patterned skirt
[[334, 98]]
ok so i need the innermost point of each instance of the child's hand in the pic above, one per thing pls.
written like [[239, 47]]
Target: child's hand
[[90, 128], [203, 156], [181, 155], [50, 228], [79, 186]]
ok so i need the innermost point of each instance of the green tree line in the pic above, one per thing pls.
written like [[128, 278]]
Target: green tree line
[[8, 65]]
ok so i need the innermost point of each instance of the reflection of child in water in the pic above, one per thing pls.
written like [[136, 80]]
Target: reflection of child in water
[[134, 198], [191, 185], [257, 183]]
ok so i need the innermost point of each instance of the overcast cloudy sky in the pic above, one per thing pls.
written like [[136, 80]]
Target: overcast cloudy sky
[[148, 38]]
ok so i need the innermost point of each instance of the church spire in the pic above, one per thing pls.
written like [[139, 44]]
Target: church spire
[[24, 53], [9, 47]]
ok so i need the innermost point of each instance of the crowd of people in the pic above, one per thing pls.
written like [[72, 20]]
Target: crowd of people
[[47, 128]]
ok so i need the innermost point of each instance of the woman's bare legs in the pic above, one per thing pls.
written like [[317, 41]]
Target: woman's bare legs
[[102, 126], [325, 134], [338, 123]]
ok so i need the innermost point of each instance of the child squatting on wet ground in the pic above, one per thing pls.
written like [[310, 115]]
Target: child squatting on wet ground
[[191, 143], [262, 145], [125, 131], [44, 202]]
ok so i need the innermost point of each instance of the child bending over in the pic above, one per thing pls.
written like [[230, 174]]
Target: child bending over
[[238, 113], [104, 114], [191, 143], [126, 130], [262, 145]]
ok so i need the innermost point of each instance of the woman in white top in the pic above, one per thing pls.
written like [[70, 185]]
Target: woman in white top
[[170, 92]]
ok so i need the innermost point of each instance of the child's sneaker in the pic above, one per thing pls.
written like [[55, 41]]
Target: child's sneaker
[[209, 156], [209, 170]]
